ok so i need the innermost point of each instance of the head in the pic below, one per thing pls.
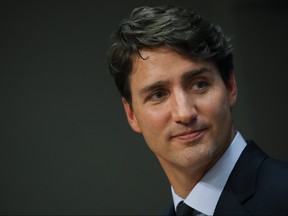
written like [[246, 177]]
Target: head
[[173, 69], [179, 29]]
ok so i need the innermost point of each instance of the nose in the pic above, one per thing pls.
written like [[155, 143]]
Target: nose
[[183, 109]]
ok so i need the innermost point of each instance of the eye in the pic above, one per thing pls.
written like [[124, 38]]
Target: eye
[[157, 96], [200, 85]]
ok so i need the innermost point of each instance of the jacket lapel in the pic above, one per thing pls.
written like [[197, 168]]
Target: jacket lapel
[[241, 183], [171, 210]]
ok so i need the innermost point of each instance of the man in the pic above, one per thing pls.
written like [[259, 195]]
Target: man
[[174, 70]]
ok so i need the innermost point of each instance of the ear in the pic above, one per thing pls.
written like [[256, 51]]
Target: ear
[[232, 90], [131, 117]]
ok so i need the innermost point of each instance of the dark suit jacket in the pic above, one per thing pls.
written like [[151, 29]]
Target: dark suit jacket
[[258, 185]]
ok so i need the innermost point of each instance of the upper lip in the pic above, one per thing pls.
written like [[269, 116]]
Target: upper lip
[[186, 133]]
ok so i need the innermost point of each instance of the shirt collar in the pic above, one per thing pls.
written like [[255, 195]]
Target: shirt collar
[[205, 195]]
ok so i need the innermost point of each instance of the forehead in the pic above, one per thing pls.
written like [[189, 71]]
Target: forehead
[[148, 58], [162, 63]]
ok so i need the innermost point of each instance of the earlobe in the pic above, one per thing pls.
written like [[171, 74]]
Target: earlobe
[[232, 89], [131, 117]]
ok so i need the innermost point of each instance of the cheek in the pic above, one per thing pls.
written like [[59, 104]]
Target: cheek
[[153, 123], [208, 106], [153, 126], [214, 108]]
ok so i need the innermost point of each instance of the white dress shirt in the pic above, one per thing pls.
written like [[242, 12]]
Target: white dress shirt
[[205, 195]]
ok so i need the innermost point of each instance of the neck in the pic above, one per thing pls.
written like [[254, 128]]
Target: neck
[[183, 181]]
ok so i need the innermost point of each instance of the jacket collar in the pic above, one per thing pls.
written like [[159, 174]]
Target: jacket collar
[[241, 183]]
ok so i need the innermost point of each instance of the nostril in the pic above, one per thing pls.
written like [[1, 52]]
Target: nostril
[[185, 116], [182, 107]]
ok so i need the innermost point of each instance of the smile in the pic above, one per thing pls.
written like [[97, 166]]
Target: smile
[[188, 136]]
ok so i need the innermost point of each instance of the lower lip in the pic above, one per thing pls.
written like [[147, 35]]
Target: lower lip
[[190, 137]]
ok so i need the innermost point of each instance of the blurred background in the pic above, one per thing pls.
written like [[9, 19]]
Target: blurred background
[[65, 145]]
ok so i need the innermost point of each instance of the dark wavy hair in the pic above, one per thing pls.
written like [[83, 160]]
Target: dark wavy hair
[[179, 29]]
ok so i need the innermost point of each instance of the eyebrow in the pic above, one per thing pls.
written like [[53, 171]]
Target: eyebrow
[[185, 77], [194, 73], [154, 86]]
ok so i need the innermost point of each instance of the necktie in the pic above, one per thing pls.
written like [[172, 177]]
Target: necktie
[[184, 210]]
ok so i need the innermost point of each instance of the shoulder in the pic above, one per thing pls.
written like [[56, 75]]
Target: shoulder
[[270, 171], [273, 174], [275, 165], [271, 188]]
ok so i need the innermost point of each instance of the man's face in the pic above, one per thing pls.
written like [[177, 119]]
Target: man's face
[[182, 108]]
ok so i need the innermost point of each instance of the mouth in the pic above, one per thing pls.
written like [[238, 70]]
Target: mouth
[[188, 136]]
